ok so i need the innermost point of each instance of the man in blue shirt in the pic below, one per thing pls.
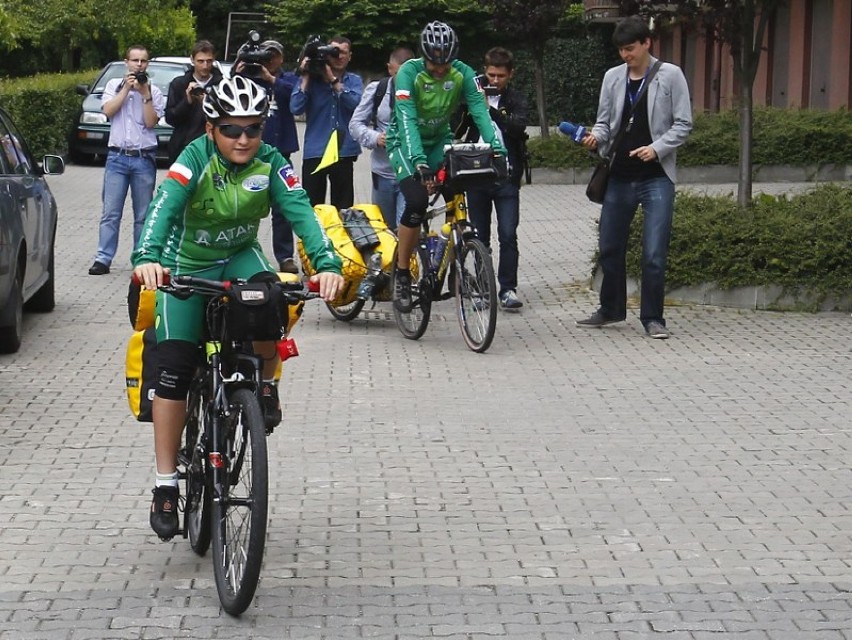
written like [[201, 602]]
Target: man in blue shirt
[[328, 101], [133, 105]]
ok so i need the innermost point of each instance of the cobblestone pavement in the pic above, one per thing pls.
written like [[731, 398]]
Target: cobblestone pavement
[[566, 484]]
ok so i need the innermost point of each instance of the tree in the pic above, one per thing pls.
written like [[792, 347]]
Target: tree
[[374, 26], [742, 26], [530, 25]]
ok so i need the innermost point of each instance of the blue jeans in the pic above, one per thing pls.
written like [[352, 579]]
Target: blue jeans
[[388, 197], [656, 195], [120, 173], [505, 197]]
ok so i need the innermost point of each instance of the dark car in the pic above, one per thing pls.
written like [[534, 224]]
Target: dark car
[[90, 134], [27, 233]]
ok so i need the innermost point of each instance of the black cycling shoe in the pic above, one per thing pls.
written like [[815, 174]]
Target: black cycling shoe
[[164, 512], [402, 291], [271, 406]]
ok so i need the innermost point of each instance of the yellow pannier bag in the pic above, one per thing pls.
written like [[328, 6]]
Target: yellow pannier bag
[[141, 373], [354, 267]]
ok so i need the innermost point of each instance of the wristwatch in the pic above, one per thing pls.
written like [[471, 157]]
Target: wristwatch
[[146, 100], [335, 81]]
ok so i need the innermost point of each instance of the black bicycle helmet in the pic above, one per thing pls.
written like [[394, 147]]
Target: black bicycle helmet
[[439, 43], [234, 97]]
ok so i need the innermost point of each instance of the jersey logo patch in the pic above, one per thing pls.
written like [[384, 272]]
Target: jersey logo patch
[[256, 183], [180, 172], [289, 178], [403, 94], [448, 85]]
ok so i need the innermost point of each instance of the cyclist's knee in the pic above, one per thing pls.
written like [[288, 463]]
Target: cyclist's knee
[[175, 369], [416, 202]]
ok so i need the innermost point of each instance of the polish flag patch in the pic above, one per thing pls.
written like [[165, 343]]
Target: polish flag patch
[[180, 172], [403, 94], [289, 178]]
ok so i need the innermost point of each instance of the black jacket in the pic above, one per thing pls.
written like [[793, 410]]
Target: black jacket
[[187, 118], [511, 116]]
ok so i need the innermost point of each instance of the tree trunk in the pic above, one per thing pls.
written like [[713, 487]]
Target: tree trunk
[[539, 96], [746, 136]]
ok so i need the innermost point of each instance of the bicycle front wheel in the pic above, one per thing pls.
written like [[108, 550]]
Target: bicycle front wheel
[[346, 312], [239, 516], [198, 489], [412, 324], [476, 295]]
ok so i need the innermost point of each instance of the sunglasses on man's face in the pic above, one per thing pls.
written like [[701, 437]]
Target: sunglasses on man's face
[[234, 131]]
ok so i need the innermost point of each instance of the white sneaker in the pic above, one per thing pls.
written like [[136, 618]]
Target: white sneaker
[[509, 301]]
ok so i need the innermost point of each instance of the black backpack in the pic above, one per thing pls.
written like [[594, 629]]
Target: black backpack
[[381, 90]]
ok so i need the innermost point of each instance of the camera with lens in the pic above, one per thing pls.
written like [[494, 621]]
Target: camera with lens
[[141, 77], [318, 54], [485, 86], [253, 57], [196, 91]]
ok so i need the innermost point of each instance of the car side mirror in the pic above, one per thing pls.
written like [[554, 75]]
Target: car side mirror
[[82, 89], [52, 165]]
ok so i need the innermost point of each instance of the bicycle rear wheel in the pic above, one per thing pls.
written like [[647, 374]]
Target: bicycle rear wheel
[[412, 324], [198, 490], [240, 516], [476, 295], [346, 312]]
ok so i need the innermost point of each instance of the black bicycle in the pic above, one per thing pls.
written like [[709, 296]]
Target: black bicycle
[[224, 460]]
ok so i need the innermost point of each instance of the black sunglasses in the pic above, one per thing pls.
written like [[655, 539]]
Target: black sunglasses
[[234, 131]]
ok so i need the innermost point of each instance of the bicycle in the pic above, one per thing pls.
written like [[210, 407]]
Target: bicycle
[[224, 459], [463, 261]]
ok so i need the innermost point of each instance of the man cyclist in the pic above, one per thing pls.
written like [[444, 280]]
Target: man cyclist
[[204, 221], [428, 92]]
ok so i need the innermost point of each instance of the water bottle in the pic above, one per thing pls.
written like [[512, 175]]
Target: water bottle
[[574, 131], [441, 241], [374, 270]]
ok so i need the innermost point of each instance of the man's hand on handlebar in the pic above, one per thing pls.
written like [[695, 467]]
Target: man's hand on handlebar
[[426, 176], [151, 274], [329, 284]]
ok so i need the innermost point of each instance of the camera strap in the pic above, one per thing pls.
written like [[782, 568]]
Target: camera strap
[[633, 102]]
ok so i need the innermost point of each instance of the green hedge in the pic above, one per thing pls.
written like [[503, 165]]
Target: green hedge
[[781, 137], [802, 243], [44, 108]]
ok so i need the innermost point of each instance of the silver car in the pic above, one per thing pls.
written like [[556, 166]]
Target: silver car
[[27, 233]]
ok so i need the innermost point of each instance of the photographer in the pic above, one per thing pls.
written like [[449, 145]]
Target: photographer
[[134, 106], [508, 109], [280, 131], [328, 95], [186, 93]]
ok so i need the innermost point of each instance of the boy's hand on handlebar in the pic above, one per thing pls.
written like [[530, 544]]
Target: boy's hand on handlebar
[[151, 274], [329, 284]]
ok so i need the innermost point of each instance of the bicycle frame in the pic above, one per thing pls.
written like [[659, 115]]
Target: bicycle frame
[[460, 229]]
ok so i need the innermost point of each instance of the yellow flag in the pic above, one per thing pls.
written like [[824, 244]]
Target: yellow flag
[[329, 156]]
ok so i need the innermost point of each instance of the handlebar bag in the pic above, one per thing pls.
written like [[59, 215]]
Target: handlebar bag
[[473, 165], [255, 311]]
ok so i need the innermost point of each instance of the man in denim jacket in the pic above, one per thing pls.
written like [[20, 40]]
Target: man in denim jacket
[[657, 119]]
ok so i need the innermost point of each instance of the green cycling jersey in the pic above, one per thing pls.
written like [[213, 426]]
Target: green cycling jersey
[[208, 209], [423, 106]]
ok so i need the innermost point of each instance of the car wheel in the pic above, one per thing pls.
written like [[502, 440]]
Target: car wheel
[[11, 335], [44, 299]]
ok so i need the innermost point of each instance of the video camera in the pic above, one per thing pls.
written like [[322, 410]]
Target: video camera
[[318, 54], [484, 85], [253, 57]]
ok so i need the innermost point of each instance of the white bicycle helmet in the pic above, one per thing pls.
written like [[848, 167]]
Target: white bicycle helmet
[[439, 43], [235, 97]]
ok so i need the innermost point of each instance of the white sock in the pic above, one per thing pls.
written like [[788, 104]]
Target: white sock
[[167, 479]]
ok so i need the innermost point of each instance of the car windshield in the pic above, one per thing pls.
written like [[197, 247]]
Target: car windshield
[[161, 75]]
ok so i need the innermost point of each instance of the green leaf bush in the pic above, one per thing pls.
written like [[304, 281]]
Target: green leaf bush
[[802, 243], [781, 137], [44, 107]]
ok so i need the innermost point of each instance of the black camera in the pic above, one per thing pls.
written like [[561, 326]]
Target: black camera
[[253, 57], [141, 77], [196, 91], [318, 54], [489, 89]]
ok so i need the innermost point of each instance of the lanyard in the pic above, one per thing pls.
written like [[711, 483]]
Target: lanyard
[[632, 97]]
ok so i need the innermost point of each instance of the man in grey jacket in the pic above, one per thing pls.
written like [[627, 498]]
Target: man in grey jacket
[[657, 119]]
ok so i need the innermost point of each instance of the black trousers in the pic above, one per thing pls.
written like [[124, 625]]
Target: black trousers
[[339, 175]]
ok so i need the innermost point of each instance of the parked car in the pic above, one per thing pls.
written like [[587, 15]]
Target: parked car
[[224, 67], [90, 133], [27, 233]]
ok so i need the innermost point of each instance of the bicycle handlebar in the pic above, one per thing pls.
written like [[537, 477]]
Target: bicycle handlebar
[[293, 291]]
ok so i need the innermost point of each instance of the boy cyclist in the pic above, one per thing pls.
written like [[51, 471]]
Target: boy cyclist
[[428, 92], [204, 221]]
